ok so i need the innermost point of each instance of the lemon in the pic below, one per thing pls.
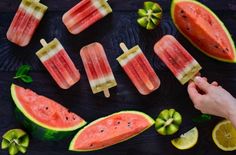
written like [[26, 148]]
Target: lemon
[[224, 136], [186, 140]]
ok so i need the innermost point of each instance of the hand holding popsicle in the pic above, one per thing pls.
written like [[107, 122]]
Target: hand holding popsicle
[[212, 99]]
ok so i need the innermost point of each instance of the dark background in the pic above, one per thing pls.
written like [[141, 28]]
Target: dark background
[[117, 27]]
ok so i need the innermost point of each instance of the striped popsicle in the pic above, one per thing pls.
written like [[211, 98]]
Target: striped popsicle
[[25, 22], [177, 59], [58, 63], [139, 69], [97, 67], [84, 14]]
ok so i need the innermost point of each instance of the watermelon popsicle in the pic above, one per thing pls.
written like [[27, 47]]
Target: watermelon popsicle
[[25, 22], [177, 59], [97, 68], [139, 69], [58, 63], [84, 14]]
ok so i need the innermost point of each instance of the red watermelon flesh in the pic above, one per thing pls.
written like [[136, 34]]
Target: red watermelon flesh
[[204, 29], [45, 111], [110, 130]]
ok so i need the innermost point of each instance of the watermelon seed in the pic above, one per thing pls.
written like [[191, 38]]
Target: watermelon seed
[[74, 118], [115, 128], [210, 22], [67, 118], [91, 145], [182, 11], [46, 108], [184, 16], [227, 49], [102, 130], [188, 28], [118, 122], [129, 124], [216, 46]]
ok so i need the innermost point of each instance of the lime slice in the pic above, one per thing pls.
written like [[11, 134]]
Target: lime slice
[[150, 16], [168, 122], [224, 136], [15, 140], [186, 140]]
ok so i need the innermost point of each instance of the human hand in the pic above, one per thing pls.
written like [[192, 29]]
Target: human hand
[[212, 99]]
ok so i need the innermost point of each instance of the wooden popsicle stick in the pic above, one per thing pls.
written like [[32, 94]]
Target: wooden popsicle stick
[[37, 1], [43, 42], [193, 78], [123, 47], [106, 93]]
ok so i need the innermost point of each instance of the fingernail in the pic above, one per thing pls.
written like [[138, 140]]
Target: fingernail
[[197, 79]]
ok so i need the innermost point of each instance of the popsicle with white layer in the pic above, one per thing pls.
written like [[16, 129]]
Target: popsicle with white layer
[[97, 67], [25, 22], [84, 14], [58, 63], [139, 69], [177, 59]]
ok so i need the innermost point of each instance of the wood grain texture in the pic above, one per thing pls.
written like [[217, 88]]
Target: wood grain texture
[[117, 27]]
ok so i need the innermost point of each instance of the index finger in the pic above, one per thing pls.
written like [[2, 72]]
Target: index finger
[[193, 92]]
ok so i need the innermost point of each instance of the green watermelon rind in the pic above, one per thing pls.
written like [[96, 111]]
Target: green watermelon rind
[[216, 17], [40, 132], [38, 129], [150, 120]]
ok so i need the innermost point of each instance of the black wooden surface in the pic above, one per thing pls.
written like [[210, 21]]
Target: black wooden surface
[[117, 27]]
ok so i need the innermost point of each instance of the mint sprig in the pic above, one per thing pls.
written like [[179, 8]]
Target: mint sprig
[[202, 118], [22, 73]]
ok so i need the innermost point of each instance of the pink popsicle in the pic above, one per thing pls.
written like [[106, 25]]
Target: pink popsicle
[[177, 59], [58, 63], [139, 70], [84, 14], [25, 22], [97, 68]]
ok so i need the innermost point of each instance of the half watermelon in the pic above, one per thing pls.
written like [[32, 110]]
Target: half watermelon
[[44, 118], [203, 29], [110, 130]]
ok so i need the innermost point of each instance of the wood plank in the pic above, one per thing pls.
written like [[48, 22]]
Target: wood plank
[[117, 5], [117, 27]]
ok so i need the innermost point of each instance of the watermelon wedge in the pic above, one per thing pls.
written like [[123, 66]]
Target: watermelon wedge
[[203, 29], [110, 130], [44, 118]]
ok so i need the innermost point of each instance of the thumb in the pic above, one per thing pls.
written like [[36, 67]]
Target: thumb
[[201, 84]]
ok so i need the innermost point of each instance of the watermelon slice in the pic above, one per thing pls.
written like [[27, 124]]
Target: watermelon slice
[[203, 29], [110, 130], [44, 118]]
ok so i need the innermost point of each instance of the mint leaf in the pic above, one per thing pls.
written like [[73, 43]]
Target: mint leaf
[[26, 78], [22, 72], [202, 118]]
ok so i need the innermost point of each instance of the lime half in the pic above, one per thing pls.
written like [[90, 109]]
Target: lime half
[[186, 140], [224, 136]]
